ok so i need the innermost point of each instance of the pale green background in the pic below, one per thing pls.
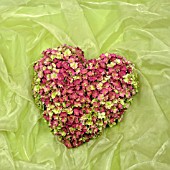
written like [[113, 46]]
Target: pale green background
[[137, 29]]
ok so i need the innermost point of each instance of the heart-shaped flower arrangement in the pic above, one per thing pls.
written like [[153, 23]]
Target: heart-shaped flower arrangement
[[80, 97]]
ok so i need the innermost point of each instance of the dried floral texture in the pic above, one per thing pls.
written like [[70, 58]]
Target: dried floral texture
[[79, 97]]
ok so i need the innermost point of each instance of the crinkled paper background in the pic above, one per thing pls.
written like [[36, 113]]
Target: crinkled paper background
[[137, 29]]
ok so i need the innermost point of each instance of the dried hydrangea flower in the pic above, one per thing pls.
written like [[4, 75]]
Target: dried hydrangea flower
[[79, 97]]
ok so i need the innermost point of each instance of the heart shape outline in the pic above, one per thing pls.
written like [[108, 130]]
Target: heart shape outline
[[80, 97]]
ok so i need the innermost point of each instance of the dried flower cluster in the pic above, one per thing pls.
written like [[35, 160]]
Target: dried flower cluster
[[81, 97]]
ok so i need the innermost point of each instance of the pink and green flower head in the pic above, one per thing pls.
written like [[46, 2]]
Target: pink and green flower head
[[78, 98]]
